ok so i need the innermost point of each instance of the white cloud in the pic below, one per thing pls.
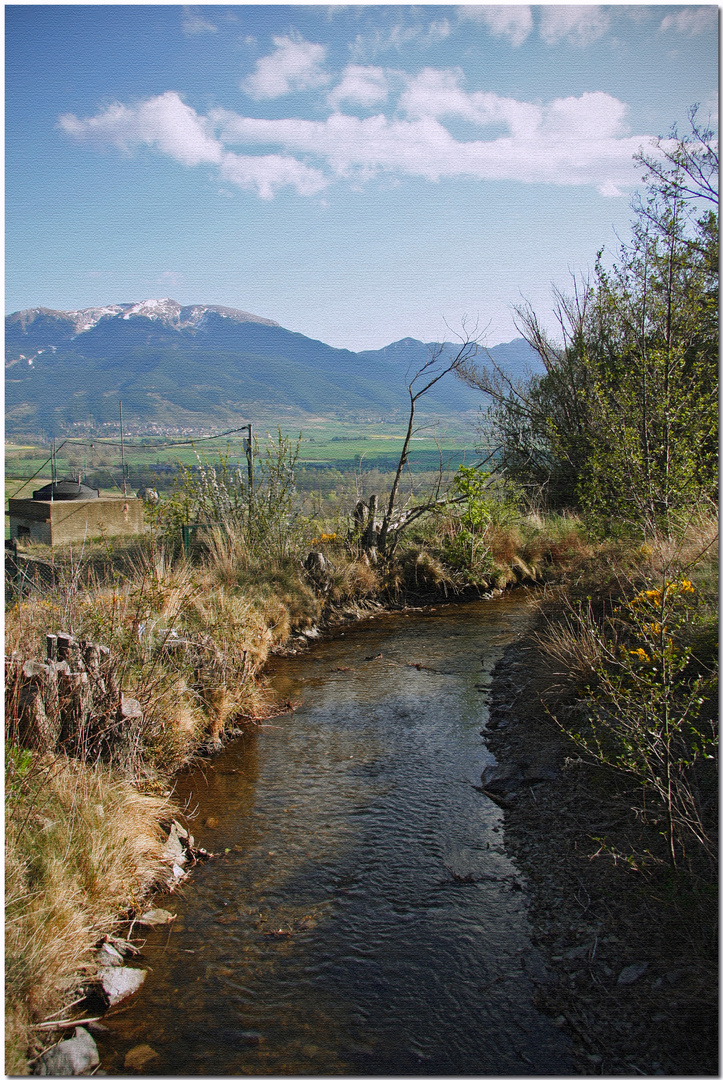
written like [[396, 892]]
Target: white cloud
[[692, 20], [362, 85], [166, 124], [435, 93], [513, 21], [294, 65], [163, 122], [578, 25], [267, 173], [592, 116], [569, 141], [193, 22]]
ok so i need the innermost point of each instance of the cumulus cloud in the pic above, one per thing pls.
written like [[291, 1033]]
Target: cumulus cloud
[[692, 20], [578, 25], [571, 141], [360, 85], [295, 64], [568, 141], [512, 21], [164, 122]]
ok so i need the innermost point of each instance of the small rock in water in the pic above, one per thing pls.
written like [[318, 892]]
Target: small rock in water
[[155, 917], [71, 1057], [501, 779], [631, 974], [211, 822], [250, 1038], [173, 850], [109, 955], [120, 983], [139, 1056]]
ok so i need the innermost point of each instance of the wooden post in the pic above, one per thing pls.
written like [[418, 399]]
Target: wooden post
[[250, 458], [370, 535]]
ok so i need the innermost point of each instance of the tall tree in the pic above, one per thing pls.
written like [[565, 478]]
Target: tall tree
[[624, 422]]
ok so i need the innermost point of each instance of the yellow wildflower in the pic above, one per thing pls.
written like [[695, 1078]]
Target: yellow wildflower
[[640, 654]]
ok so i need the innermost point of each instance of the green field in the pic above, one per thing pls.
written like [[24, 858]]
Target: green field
[[323, 444]]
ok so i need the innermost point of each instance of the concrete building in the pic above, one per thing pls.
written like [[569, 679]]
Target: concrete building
[[69, 512]]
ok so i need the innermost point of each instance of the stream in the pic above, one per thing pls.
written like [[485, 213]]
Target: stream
[[362, 917]]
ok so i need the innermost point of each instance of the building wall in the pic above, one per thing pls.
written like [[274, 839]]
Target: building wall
[[33, 521]]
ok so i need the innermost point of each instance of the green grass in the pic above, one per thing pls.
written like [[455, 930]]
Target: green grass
[[323, 442]]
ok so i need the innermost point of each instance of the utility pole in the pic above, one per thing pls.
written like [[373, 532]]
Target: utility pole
[[123, 454]]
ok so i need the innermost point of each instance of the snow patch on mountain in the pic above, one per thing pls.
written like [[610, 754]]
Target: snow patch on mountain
[[164, 310], [88, 317]]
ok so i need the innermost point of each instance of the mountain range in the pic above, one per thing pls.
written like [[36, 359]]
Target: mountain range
[[205, 366]]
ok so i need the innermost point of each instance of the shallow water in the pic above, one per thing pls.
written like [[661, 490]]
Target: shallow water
[[335, 936]]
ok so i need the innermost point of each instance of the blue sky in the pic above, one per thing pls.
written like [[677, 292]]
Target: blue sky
[[357, 173]]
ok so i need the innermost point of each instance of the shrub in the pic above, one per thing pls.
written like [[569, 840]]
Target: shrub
[[647, 709]]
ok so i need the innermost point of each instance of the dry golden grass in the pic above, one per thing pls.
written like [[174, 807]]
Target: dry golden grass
[[354, 580], [576, 638], [423, 568], [80, 848], [503, 542], [573, 643], [226, 555]]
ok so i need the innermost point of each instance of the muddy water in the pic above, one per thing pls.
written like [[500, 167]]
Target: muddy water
[[363, 918]]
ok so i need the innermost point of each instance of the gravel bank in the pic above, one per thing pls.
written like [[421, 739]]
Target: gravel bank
[[631, 960]]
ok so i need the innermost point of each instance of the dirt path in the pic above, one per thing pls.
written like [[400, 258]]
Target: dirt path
[[631, 961]]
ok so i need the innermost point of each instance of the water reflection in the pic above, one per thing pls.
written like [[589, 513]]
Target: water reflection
[[364, 918]]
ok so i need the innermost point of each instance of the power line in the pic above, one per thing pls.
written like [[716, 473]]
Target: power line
[[46, 462], [156, 445]]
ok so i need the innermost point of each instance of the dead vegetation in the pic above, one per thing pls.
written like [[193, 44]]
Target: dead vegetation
[[81, 847]]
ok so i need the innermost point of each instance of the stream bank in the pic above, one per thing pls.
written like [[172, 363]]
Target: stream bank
[[632, 962]]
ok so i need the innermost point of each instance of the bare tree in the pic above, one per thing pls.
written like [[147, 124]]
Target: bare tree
[[440, 362]]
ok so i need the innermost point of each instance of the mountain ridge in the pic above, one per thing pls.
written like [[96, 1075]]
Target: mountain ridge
[[203, 364]]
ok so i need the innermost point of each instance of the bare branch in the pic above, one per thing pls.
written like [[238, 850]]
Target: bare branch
[[439, 363]]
